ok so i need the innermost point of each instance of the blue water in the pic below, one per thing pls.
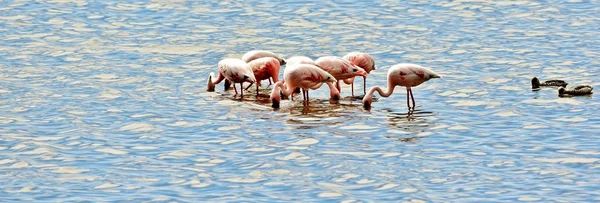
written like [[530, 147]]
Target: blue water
[[107, 101]]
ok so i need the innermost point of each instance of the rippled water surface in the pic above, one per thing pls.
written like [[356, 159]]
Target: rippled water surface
[[107, 101]]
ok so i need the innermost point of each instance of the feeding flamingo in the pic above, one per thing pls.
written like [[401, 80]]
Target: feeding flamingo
[[234, 71], [264, 68], [340, 68], [299, 60], [305, 76], [363, 60], [256, 54], [406, 75]]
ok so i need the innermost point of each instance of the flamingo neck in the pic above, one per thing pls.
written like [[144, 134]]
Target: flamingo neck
[[274, 73], [334, 93], [286, 89], [387, 93], [369, 96]]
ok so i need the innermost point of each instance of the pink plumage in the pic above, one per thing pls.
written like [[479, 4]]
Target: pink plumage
[[363, 60], [340, 68], [406, 75], [234, 71], [304, 76]]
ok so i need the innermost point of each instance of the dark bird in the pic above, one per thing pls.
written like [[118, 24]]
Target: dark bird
[[575, 91], [535, 83]]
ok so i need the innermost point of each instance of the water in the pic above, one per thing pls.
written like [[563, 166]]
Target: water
[[107, 101]]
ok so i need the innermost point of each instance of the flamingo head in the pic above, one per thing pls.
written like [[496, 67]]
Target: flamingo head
[[368, 99], [334, 93], [276, 94], [282, 61], [210, 85], [367, 104]]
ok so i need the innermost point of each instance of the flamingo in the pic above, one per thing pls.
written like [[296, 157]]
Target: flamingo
[[299, 60], [406, 75], [363, 60], [264, 68], [305, 76], [340, 68], [579, 90], [255, 54], [535, 83], [234, 71]]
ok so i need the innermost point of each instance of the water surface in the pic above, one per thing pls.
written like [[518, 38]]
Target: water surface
[[107, 101]]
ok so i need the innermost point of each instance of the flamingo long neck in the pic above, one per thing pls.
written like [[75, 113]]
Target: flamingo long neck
[[387, 93], [333, 91], [212, 81], [274, 73], [286, 89], [369, 96]]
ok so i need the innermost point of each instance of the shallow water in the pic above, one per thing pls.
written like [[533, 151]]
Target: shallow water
[[107, 101]]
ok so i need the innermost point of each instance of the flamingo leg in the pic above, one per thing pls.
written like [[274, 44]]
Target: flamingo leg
[[257, 91], [365, 85], [307, 98], [250, 86], [270, 83], [413, 98], [407, 97], [303, 96], [241, 90], [234, 88], [352, 88]]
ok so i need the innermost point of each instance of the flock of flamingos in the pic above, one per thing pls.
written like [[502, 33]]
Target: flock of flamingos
[[303, 73]]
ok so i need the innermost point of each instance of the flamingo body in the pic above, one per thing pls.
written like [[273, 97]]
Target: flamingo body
[[340, 68], [363, 60], [234, 71], [304, 76], [406, 75], [265, 68]]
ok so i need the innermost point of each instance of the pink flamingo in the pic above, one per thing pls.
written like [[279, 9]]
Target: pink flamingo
[[363, 60], [256, 54], [340, 68], [264, 68], [234, 71], [407, 75], [305, 76], [299, 60]]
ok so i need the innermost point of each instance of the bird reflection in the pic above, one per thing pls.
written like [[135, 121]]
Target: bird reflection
[[413, 121]]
